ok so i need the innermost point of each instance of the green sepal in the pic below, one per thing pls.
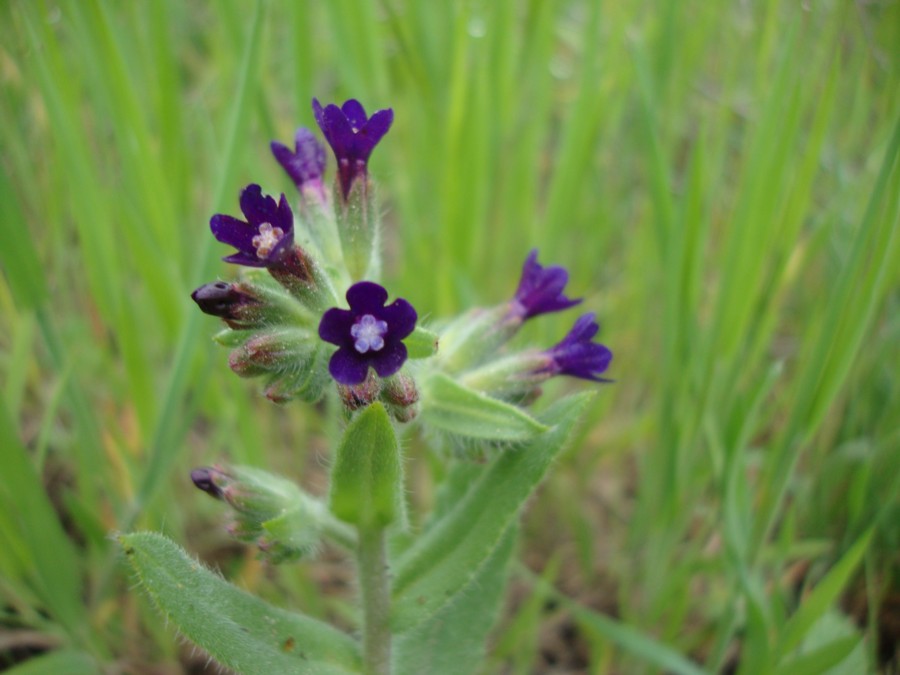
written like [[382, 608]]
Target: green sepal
[[238, 630], [445, 559], [454, 409], [367, 475], [422, 344], [358, 222], [228, 337]]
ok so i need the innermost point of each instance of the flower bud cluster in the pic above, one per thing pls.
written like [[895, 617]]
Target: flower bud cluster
[[282, 315], [271, 512], [487, 374]]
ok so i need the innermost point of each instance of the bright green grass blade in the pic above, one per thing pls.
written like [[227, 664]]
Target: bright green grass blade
[[165, 440], [18, 256], [858, 293], [47, 556], [821, 599], [58, 662]]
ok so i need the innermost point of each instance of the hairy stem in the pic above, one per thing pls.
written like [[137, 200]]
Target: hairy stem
[[376, 598]]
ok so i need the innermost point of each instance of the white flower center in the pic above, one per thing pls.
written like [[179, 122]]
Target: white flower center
[[267, 239], [369, 333]]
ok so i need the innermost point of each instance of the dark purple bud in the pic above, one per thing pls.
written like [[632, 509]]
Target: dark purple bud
[[368, 334], [221, 299], [306, 163], [352, 137], [540, 290], [204, 479], [265, 238], [577, 355]]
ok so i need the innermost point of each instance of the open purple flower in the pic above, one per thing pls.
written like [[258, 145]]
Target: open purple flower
[[576, 355], [306, 163], [540, 290], [265, 237], [367, 334], [352, 136]]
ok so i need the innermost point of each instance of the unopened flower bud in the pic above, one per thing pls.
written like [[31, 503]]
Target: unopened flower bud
[[401, 397], [206, 479], [301, 274], [356, 396], [270, 511], [225, 300], [279, 350]]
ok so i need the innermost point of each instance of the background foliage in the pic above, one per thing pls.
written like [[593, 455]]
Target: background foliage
[[720, 178]]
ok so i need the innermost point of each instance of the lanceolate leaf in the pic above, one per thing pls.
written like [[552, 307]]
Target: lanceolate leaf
[[445, 559], [454, 408], [452, 641], [238, 630]]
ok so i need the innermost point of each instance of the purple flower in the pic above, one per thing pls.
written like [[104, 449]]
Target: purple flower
[[306, 164], [540, 290], [352, 136], [367, 334], [576, 355], [264, 238]]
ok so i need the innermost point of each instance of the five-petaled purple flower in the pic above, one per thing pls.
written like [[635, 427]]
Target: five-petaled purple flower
[[540, 290], [576, 355], [306, 163], [367, 334], [352, 136], [265, 237]]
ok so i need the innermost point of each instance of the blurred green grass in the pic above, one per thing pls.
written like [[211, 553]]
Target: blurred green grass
[[721, 180]]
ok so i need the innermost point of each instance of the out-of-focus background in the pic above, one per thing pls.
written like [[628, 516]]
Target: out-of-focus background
[[720, 178]]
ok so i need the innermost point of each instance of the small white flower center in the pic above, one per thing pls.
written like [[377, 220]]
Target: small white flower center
[[266, 240], [369, 333]]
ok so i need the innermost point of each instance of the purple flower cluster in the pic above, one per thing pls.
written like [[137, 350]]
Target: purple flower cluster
[[367, 334], [540, 291], [267, 233]]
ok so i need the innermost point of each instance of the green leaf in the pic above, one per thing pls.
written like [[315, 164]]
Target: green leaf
[[452, 641], [367, 476], [18, 256], [445, 559], [238, 630], [450, 407], [47, 558], [58, 662], [821, 659], [823, 596]]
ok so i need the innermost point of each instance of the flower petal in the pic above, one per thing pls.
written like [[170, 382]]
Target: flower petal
[[401, 318], [257, 207], [355, 113], [389, 360], [335, 326], [366, 297], [375, 129], [234, 232], [347, 367]]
